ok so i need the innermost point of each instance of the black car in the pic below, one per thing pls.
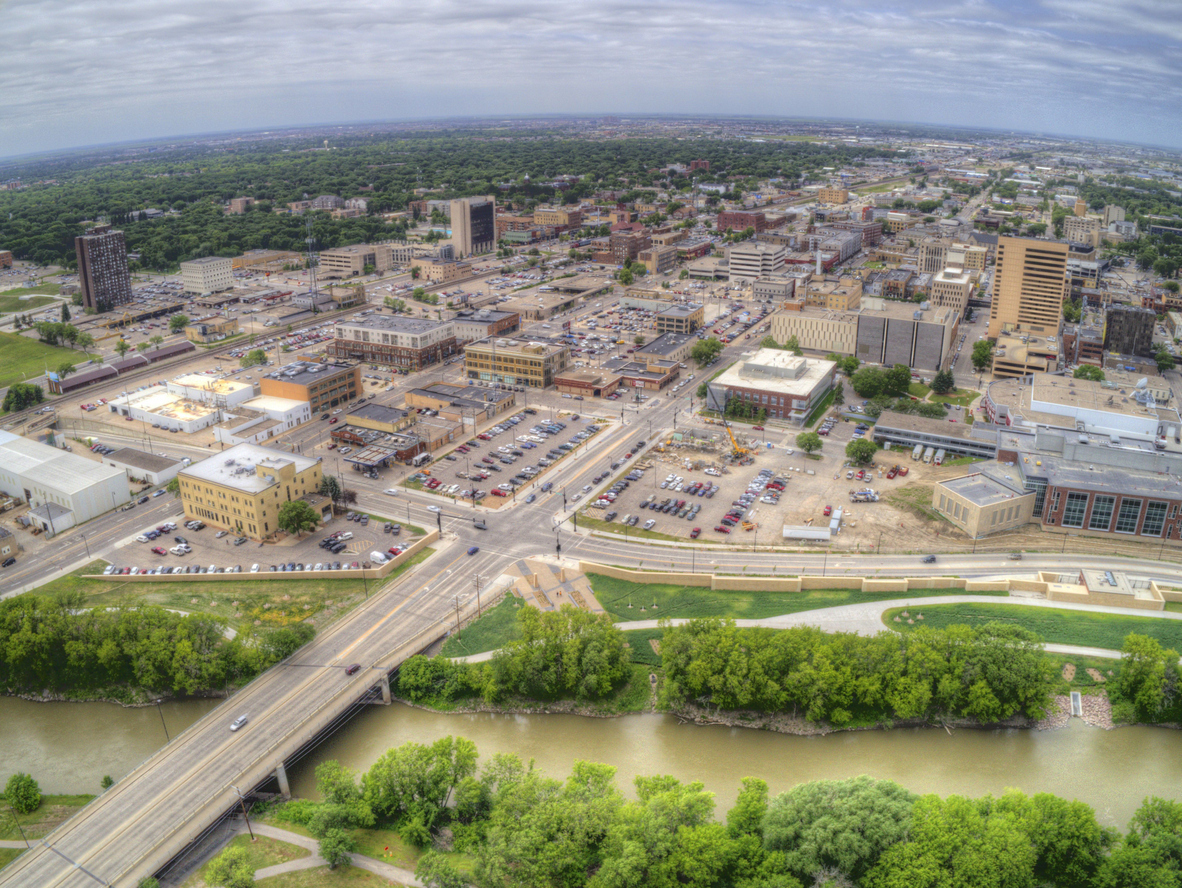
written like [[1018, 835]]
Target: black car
[[929, 559], [8, 562], [181, 539], [142, 500]]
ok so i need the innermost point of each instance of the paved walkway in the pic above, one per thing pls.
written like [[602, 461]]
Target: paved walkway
[[377, 867], [866, 619]]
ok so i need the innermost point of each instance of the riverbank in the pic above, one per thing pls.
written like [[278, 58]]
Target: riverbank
[[140, 698]]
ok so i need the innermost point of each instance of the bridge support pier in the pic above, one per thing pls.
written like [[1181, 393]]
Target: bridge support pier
[[386, 690], [281, 776]]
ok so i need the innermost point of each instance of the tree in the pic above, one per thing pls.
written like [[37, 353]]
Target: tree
[[1072, 311], [837, 825], [107, 782], [625, 276], [330, 487], [868, 382], [1165, 360], [702, 391], [21, 395], [65, 312], [297, 517], [435, 871], [85, 342], [809, 442], [943, 382], [1148, 679], [230, 869], [838, 394], [142, 347], [638, 339], [1089, 371], [177, 323], [792, 344], [23, 793], [156, 340], [706, 350], [253, 358], [982, 355], [415, 272], [684, 274], [174, 487], [395, 305], [64, 369], [897, 380], [861, 451], [122, 347]]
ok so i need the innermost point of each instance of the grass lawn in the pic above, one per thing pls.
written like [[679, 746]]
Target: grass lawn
[[640, 645], [690, 601], [963, 397], [41, 289], [918, 390], [8, 855], [492, 631], [274, 602], [320, 876], [263, 852], [822, 407], [1081, 681], [1054, 626], [24, 357], [55, 809], [10, 301]]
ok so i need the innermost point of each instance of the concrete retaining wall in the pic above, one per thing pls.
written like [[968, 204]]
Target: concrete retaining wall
[[374, 573]]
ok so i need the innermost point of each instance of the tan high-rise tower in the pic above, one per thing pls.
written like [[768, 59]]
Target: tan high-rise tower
[[1029, 285]]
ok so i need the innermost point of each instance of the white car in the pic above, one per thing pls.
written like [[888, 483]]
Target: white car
[[142, 538], [254, 568], [347, 535], [390, 491], [108, 570], [434, 509], [650, 524]]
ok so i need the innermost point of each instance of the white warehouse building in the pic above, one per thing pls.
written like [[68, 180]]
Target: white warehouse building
[[66, 488]]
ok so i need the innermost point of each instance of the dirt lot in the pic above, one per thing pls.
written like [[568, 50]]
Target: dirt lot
[[900, 520]]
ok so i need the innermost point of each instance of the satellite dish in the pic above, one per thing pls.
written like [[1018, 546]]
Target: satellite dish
[[1143, 382]]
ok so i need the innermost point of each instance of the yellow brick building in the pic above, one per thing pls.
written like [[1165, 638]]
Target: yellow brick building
[[242, 488]]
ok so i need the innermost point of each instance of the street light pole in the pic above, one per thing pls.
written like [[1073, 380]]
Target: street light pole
[[160, 713]]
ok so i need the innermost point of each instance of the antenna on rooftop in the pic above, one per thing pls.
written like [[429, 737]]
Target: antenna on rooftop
[[311, 241]]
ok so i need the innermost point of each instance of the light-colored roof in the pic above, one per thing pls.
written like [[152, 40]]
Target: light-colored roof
[[54, 468], [211, 383], [236, 467], [777, 370]]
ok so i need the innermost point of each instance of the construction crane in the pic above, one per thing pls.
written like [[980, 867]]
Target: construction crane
[[739, 452]]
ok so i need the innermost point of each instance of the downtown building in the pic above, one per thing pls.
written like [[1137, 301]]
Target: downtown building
[[402, 343], [103, 274], [473, 226]]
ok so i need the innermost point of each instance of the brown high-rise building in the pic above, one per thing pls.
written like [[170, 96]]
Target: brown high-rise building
[[102, 268], [1030, 283]]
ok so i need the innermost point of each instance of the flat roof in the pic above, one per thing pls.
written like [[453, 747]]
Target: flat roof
[[204, 260], [304, 372], [59, 469], [211, 383], [1084, 394], [236, 467], [1110, 479], [162, 402], [149, 462], [271, 402], [393, 323], [681, 310], [484, 315], [667, 343], [906, 422], [982, 489], [777, 370], [377, 413]]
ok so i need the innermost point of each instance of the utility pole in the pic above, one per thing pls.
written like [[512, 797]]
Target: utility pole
[[244, 815], [457, 600], [478, 579]]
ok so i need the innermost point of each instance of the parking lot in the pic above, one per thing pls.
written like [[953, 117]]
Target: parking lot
[[490, 467], [683, 489], [181, 546]]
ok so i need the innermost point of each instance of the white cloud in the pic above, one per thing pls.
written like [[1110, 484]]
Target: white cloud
[[89, 71]]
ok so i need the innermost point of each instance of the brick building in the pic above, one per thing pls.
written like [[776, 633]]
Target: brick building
[[740, 220], [323, 386], [404, 343]]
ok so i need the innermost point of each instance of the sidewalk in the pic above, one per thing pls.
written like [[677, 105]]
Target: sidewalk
[[377, 867]]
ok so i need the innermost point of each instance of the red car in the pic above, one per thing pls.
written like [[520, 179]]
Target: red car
[[757, 428], [828, 511], [695, 533], [158, 550], [499, 493], [483, 437], [333, 420], [722, 528]]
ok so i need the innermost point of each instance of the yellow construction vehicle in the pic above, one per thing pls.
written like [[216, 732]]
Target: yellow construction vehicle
[[749, 525], [739, 451]]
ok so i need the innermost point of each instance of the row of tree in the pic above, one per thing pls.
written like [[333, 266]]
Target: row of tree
[[523, 829], [61, 645]]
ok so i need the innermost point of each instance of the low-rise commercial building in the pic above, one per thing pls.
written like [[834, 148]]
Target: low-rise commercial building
[[834, 294], [213, 329], [469, 405], [904, 430], [260, 419], [212, 274], [150, 468], [986, 502], [832, 195], [752, 260], [815, 329], [321, 385], [75, 489], [1021, 354], [741, 220], [774, 287], [786, 386], [589, 382], [525, 362], [444, 271], [400, 342], [652, 375], [541, 306], [482, 323], [667, 347], [658, 260], [681, 318], [243, 488], [272, 260]]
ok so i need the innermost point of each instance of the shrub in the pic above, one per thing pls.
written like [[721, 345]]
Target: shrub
[[23, 793]]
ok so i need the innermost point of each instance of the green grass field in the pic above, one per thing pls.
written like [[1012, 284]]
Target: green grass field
[[24, 357], [40, 289], [11, 301], [54, 810], [274, 602], [963, 397], [640, 646], [690, 601], [8, 855], [262, 852], [1053, 626], [918, 390], [494, 630]]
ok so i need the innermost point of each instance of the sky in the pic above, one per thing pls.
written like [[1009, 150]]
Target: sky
[[85, 72]]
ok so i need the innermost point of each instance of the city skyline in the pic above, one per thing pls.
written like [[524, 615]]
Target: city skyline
[[132, 71]]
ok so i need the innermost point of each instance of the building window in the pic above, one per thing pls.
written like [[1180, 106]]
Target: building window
[[1102, 507], [1155, 518], [1055, 502], [1126, 520], [1074, 510]]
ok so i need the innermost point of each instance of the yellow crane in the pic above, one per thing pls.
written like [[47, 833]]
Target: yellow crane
[[739, 451]]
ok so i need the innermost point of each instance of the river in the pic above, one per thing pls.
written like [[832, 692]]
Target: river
[[68, 747]]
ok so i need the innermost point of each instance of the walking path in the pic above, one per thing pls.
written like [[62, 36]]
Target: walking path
[[377, 867], [866, 619]]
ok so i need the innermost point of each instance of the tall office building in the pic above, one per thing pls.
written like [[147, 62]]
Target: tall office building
[[1030, 283], [473, 226], [102, 268]]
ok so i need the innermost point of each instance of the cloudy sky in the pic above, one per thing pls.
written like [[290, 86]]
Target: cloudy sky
[[83, 72]]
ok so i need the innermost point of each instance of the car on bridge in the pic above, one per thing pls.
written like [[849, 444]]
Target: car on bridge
[[238, 723]]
